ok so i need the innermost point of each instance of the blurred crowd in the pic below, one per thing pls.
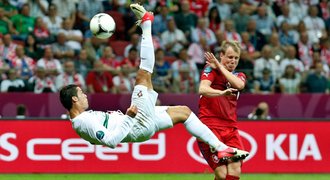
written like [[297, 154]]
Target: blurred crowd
[[47, 44]]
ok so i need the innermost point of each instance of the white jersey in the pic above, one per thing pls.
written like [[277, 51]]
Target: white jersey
[[103, 128], [113, 127]]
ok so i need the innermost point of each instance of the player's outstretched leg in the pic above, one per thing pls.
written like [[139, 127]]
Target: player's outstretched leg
[[183, 114], [147, 55]]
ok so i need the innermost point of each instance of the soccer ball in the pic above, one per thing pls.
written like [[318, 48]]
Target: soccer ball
[[102, 25]]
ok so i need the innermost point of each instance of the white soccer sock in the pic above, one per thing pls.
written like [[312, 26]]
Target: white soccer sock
[[196, 128], [146, 28], [147, 52]]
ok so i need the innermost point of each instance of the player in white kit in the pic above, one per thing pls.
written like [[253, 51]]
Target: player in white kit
[[142, 118]]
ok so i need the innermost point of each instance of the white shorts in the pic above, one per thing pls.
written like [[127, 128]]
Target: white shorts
[[150, 118]]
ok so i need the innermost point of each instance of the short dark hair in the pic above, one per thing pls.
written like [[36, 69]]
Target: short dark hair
[[66, 94]]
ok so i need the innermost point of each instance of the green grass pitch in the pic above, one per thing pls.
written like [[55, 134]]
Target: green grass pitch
[[162, 176]]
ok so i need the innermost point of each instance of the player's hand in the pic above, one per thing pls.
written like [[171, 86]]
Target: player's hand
[[229, 92], [132, 111], [211, 60]]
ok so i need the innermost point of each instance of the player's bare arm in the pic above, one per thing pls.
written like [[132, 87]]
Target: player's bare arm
[[212, 61], [206, 90]]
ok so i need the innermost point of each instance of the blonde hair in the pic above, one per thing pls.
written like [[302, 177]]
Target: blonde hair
[[233, 44]]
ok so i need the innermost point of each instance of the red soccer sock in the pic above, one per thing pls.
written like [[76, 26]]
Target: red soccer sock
[[231, 177]]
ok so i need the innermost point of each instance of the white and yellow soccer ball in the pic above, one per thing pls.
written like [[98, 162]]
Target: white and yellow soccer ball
[[102, 25]]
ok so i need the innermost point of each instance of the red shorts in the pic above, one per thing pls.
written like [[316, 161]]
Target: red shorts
[[228, 136]]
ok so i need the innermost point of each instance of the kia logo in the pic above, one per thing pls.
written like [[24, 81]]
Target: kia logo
[[197, 155]]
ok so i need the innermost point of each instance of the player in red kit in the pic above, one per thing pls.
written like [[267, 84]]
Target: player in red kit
[[219, 90]]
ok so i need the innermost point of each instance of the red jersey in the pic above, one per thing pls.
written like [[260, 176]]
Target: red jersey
[[218, 111]]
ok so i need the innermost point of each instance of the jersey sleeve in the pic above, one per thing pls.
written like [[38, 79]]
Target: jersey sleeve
[[208, 74], [242, 77], [114, 137]]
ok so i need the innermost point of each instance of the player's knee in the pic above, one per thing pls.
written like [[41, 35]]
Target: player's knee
[[234, 168], [186, 111], [220, 172], [219, 175], [179, 114]]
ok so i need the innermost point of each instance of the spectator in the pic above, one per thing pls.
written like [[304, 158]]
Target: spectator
[[131, 63], [223, 8], [98, 80], [134, 42], [53, 20], [23, 23], [87, 9], [39, 8], [185, 74], [130, 26], [10, 10], [246, 63], [41, 32], [159, 24], [305, 50], [196, 52], [278, 51], [70, 76], [317, 59], [261, 112], [265, 23], [7, 47], [290, 81], [219, 35], [270, 10], [51, 65], [266, 61], [173, 39], [202, 31], [325, 51], [214, 20], [40, 82], [264, 84], [122, 82], [61, 50], [66, 9], [292, 60], [74, 37], [31, 48], [230, 32], [94, 47], [23, 64], [292, 21], [4, 67], [316, 82], [315, 25], [286, 36], [13, 83], [241, 18], [251, 53], [82, 63], [185, 19], [6, 26], [199, 7], [162, 76], [298, 8], [324, 6], [109, 61], [256, 37]]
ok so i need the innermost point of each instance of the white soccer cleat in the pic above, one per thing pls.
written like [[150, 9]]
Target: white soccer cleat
[[141, 14]]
